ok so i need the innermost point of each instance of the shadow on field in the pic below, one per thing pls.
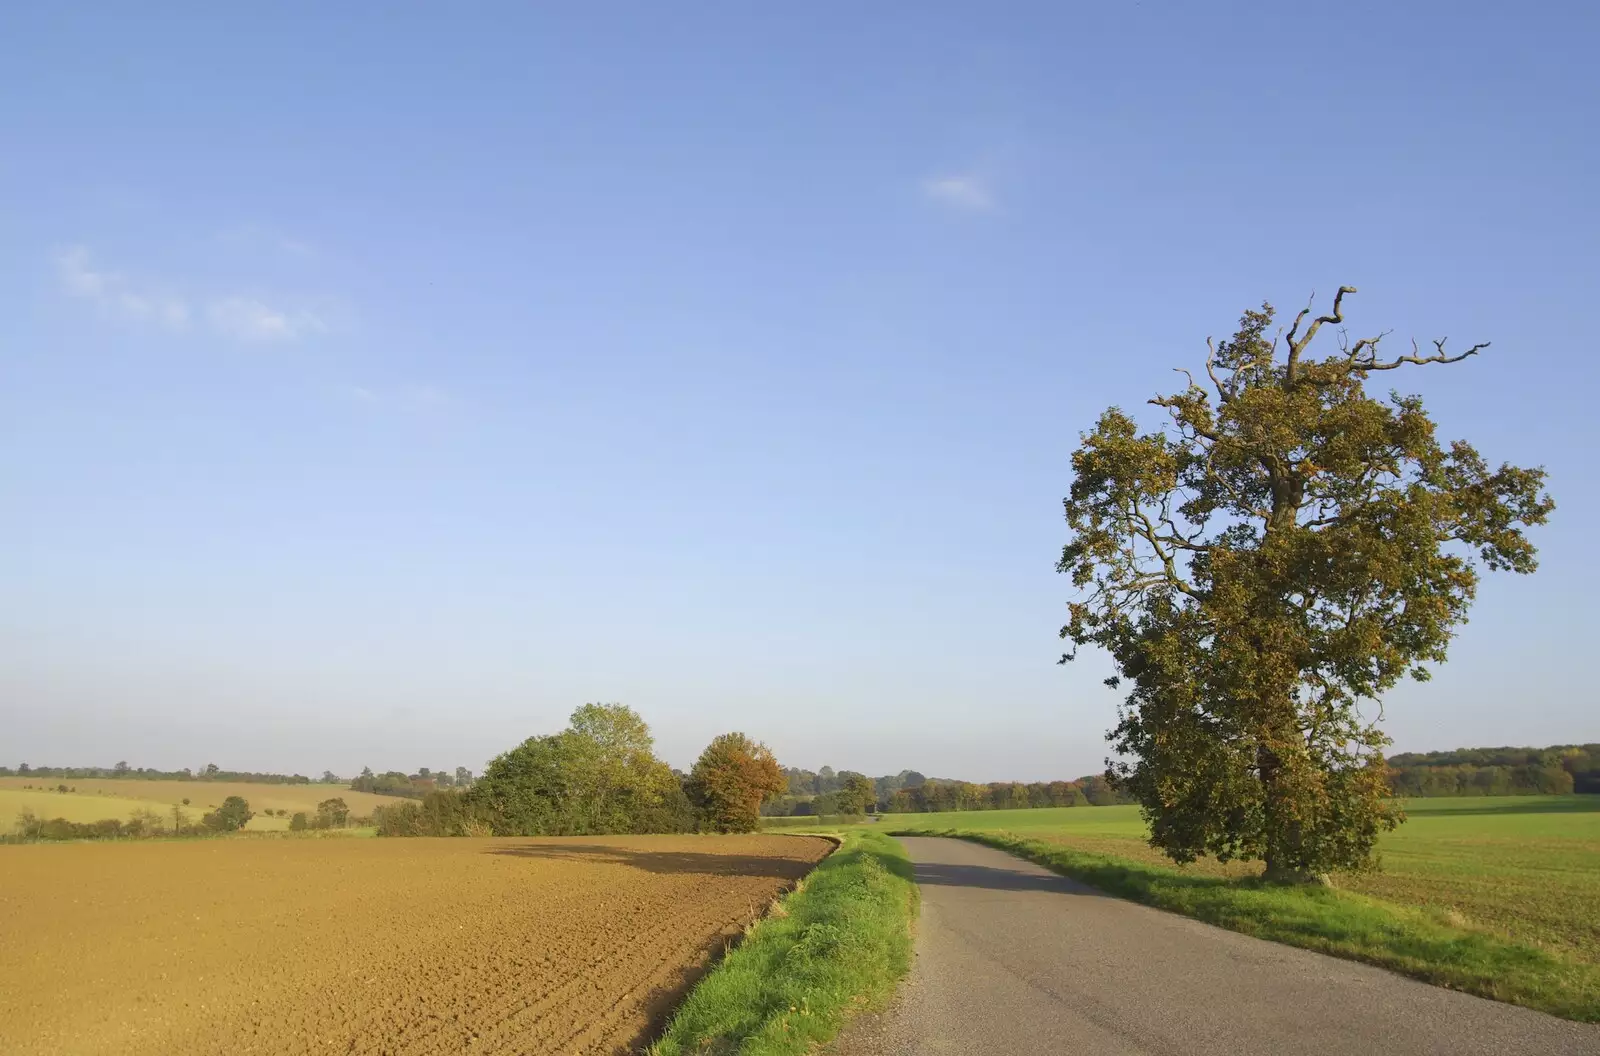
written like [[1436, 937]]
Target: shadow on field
[[664, 862], [1444, 807]]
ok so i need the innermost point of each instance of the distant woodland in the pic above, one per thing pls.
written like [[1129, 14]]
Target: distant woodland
[[1556, 770]]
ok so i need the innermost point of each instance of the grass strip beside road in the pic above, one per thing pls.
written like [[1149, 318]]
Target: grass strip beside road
[[835, 946], [1330, 921]]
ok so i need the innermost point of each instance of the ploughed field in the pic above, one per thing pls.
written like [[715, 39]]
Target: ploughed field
[[399, 947]]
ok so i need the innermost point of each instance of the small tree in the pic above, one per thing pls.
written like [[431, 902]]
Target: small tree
[[233, 815], [1287, 548], [729, 782], [299, 823], [856, 794], [332, 813]]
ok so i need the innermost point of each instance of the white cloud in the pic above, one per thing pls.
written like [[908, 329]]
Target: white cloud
[[247, 319], [113, 292], [235, 316], [959, 192]]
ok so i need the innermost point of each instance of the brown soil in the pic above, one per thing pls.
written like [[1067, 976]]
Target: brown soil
[[393, 947]]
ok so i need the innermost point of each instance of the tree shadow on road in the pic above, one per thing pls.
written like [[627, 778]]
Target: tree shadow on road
[[994, 878], [700, 863]]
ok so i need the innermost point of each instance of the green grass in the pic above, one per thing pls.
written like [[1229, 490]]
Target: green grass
[[835, 946], [813, 823], [1496, 896]]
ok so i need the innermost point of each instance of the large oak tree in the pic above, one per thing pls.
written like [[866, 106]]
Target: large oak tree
[[1278, 555]]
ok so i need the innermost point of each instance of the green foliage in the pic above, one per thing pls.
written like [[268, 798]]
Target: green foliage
[[598, 776], [834, 947], [299, 823], [332, 814], [443, 812], [858, 794], [730, 781], [232, 816], [1287, 548], [391, 783]]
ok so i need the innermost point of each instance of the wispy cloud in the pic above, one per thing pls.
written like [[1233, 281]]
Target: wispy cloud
[[967, 192], [247, 319], [412, 398], [261, 236], [234, 316], [113, 292]]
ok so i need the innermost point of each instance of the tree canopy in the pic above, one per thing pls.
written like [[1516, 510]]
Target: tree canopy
[[730, 780], [599, 775], [1285, 548]]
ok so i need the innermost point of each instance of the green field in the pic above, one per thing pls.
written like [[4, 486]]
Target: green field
[[1526, 867], [1475, 889]]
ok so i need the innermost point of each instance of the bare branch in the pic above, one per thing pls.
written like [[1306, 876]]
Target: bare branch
[[1148, 532], [1301, 318], [1369, 345], [1440, 357], [1223, 395], [1298, 345]]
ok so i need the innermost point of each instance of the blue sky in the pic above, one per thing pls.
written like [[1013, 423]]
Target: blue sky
[[379, 383]]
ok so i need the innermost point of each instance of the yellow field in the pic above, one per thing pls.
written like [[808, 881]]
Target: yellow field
[[98, 798]]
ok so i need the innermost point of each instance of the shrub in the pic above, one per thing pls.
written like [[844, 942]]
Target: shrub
[[332, 813], [299, 823], [232, 816]]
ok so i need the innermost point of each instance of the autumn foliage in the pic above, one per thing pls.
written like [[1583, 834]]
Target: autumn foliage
[[729, 782]]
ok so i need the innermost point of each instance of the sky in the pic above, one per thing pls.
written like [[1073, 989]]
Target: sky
[[378, 383]]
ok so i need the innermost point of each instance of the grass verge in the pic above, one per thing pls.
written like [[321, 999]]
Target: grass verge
[[1340, 923], [835, 946]]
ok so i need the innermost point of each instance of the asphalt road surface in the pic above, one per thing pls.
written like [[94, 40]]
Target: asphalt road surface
[[1013, 959]]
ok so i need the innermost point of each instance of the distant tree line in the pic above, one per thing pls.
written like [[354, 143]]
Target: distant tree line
[[231, 816], [209, 772], [1556, 770], [410, 786], [829, 792], [600, 775]]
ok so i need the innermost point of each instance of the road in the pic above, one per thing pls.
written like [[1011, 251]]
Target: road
[[1013, 959]]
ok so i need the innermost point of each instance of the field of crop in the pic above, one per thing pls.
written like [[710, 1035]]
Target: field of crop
[[97, 798], [401, 947], [1524, 867]]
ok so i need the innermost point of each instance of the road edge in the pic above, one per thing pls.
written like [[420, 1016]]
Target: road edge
[[838, 944]]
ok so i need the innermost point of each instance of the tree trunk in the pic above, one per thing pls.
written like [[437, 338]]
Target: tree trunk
[[1284, 837], [1279, 873]]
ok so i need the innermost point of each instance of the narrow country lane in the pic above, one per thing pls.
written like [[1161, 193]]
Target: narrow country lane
[[1013, 959]]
